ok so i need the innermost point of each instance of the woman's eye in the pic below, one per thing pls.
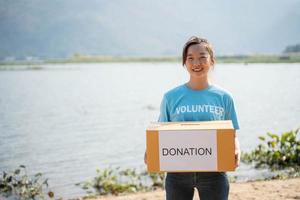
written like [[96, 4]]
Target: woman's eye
[[190, 58]]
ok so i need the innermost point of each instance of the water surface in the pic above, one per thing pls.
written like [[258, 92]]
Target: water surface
[[69, 119]]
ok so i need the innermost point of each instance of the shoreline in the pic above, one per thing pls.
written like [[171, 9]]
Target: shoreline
[[276, 189], [228, 59], [73, 65]]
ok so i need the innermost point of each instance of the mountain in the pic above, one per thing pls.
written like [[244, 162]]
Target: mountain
[[61, 28]]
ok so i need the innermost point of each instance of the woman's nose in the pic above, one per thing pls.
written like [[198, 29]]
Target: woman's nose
[[197, 62], [200, 61]]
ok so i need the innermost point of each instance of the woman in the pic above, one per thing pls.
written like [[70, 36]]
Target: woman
[[198, 58]]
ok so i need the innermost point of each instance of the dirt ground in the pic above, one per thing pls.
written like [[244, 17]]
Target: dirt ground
[[288, 189]]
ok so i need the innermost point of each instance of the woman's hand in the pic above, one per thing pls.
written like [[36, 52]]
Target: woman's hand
[[237, 152], [145, 157]]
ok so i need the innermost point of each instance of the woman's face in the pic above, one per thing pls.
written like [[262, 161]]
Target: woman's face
[[198, 61]]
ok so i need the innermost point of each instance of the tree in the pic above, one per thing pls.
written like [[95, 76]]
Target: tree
[[292, 49]]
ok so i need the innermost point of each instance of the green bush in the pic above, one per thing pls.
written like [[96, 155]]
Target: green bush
[[276, 152], [157, 180], [19, 185], [116, 181]]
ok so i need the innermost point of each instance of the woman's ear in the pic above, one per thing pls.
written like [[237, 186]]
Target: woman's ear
[[212, 62]]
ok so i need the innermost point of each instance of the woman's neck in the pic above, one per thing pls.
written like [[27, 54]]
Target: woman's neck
[[198, 84]]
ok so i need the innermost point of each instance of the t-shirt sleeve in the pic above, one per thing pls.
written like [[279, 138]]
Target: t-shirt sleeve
[[164, 112], [230, 113]]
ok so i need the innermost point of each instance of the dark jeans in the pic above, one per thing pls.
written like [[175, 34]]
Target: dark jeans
[[210, 185]]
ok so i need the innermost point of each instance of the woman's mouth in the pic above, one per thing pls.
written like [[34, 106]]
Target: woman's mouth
[[197, 69]]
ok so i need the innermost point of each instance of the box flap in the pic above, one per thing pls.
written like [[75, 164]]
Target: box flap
[[193, 125]]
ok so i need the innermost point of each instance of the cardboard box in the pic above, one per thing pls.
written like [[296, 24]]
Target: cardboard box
[[190, 146]]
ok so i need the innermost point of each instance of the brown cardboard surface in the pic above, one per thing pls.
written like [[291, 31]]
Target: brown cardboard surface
[[152, 151], [226, 158]]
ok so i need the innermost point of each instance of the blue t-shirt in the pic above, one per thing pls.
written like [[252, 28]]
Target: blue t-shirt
[[185, 104]]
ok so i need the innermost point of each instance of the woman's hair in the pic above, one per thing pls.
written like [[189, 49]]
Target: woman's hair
[[197, 40]]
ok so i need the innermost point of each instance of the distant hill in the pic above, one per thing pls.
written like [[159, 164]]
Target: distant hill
[[62, 28]]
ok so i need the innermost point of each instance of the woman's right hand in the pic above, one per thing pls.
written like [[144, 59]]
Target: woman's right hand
[[145, 157]]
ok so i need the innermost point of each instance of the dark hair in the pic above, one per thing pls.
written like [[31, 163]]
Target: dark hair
[[197, 40]]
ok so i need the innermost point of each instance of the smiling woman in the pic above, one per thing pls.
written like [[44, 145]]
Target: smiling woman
[[197, 100], [198, 57]]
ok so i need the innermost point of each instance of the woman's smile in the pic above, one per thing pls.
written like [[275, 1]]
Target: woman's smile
[[197, 69]]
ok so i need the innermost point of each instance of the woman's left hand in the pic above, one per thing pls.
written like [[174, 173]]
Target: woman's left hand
[[237, 152]]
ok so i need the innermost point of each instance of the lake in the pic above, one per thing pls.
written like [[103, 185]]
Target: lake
[[67, 120]]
